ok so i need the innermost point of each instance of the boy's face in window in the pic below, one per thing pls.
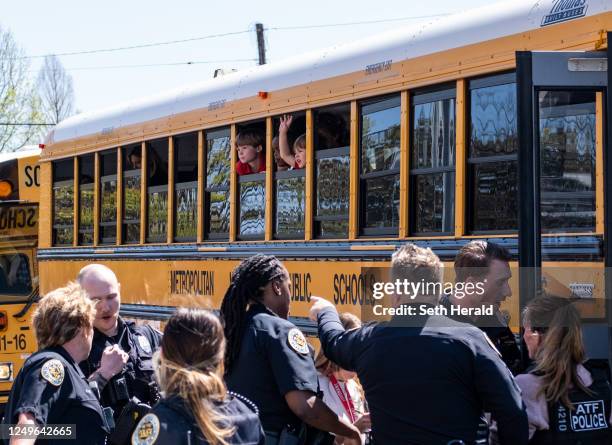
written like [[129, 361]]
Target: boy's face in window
[[248, 153]]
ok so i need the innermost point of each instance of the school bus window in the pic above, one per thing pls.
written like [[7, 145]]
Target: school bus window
[[492, 159], [379, 174], [432, 173], [186, 187], [567, 160], [15, 276], [108, 197], [86, 199], [63, 202], [132, 162], [332, 171], [290, 176], [251, 167], [216, 192], [157, 190]]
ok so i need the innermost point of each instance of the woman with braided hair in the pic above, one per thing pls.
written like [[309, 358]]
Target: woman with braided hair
[[196, 408], [268, 359]]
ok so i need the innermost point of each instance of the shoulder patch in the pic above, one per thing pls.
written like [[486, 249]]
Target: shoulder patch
[[490, 342], [53, 372], [297, 341], [144, 344], [146, 431]]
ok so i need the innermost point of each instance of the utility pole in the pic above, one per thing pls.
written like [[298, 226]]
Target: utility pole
[[261, 44]]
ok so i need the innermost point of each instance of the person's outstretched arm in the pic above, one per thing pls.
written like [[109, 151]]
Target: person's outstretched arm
[[283, 141]]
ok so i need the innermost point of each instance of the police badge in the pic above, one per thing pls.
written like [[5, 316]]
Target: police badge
[[297, 341], [144, 344], [147, 430], [53, 372]]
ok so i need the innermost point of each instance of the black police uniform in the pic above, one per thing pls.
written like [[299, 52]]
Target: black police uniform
[[500, 334], [427, 379], [53, 389], [589, 420], [172, 422], [140, 342], [274, 359]]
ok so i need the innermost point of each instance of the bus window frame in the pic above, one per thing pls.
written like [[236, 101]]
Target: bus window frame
[[326, 154], [253, 177], [288, 174], [420, 97], [125, 222], [176, 186], [209, 135], [54, 185], [536, 131], [485, 81], [108, 241], [376, 104]]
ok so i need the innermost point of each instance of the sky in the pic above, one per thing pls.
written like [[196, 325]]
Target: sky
[[105, 78]]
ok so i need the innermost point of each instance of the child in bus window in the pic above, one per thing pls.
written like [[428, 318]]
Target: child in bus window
[[251, 156], [280, 164], [135, 158], [297, 158]]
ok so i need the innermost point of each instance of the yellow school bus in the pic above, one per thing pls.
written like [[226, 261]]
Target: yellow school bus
[[488, 124], [19, 193]]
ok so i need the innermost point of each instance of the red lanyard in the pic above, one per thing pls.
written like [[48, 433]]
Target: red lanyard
[[347, 402]]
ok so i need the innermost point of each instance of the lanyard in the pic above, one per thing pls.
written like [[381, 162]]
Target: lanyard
[[347, 402]]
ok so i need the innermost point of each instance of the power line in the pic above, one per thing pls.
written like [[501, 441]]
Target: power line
[[365, 22], [227, 34], [144, 45], [23, 124], [147, 65]]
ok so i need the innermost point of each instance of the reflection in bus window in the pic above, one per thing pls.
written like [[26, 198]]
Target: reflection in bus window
[[63, 202], [108, 197], [380, 148], [492, 162], [131, 193], [157, 190], [332, 170], [433, 162], [567, 160], [216, 192], [290, 198], [15, 274], [252, 207], [86, 199], [186, 187]]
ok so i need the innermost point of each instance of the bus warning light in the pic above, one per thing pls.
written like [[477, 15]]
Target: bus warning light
[[6, 188]]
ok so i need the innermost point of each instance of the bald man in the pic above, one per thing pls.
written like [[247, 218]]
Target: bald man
[[121, 355]]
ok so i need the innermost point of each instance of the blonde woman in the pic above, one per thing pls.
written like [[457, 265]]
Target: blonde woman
[[50, 389], [568, 400], [196, 408], [341, 392]]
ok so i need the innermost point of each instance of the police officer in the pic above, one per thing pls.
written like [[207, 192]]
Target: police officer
[[484, 266], [268, 359], [121, 358], [568, 400], [427, 379], [196, 408], [50, 388]]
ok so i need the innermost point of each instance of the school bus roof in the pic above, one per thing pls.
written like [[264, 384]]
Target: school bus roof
[[24, 152], [470, 27]]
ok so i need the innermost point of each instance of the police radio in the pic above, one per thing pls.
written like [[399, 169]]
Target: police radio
[[118, 391]]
